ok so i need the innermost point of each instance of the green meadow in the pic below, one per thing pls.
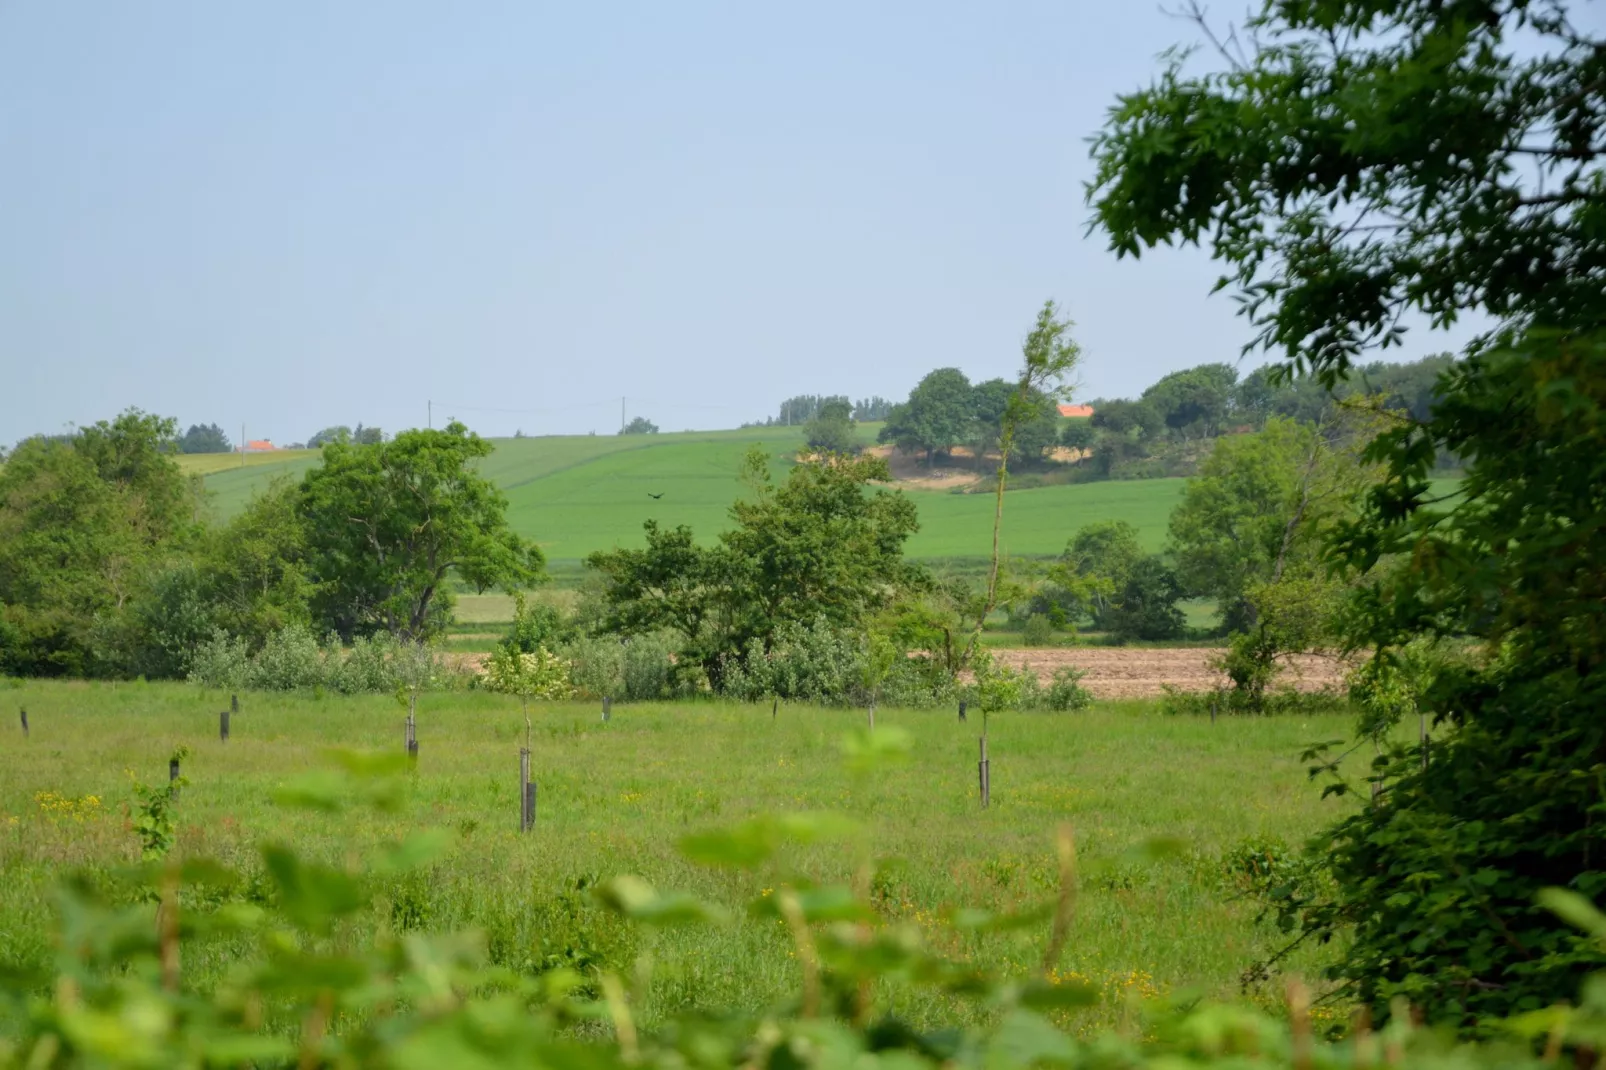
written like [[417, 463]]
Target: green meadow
[[618, 797], [577, 494]]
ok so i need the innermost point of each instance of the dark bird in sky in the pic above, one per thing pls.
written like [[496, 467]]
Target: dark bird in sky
[[653, 496]]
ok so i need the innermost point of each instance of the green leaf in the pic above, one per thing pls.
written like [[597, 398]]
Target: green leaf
[[1574, 909], [636, 899], [311, 896]]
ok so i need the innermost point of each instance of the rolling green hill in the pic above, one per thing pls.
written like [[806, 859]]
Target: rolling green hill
[[577, 494]]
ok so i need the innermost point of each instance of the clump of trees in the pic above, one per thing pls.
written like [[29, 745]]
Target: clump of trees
[[944, 411], [204, 438], [362, 436], [833, 428], [1348, 164], [109, 565], [639, 425]]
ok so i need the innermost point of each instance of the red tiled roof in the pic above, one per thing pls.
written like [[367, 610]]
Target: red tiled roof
[[1076, 410]]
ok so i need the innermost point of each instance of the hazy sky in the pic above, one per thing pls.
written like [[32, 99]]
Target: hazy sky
[[293, 215]]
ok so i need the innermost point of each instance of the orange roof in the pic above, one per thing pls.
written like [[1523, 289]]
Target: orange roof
[[259, 446], [1076, 410]]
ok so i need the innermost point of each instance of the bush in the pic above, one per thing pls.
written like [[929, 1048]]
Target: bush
[[1145, 607], [596, 666], [534, 627], [222, 662], [646, 668], [1039, 631], [1067, 692], [540, 674], [290, 659]]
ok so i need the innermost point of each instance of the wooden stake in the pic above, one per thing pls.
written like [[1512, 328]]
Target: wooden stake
[[984, 775], [775, 707], [607, 708], [25, 723], [872, 715], [223, 726], [961, 709], [234, 703]]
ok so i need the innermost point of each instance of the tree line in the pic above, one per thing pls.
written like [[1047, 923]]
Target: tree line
[[111, 566]]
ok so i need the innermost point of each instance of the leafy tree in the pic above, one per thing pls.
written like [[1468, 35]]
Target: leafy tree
[[1097, 563], [1365, 161], [832, 429], [388, 524], [816, 548], [1258, 503], [799, 410], [938, 416], [254, 569], [367, 436], [871, 409], [205, 438], [339, 433], [639, 425], [1036, 432], [1197, 399], [1128, 417], [84, 525], [1078, 435], [1145, 605], [1048, 355]]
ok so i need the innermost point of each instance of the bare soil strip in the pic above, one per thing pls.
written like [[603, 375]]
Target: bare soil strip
[[1120, 672]]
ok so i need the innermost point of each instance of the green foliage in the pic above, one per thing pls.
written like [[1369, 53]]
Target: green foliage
[[387, 524], [153, 820], [639, 425], [816, 546], [1145, 605], [539, 674], [205, 438], [292, 659], [1066, 692], [832, 428], [340, 433], [534, 626], [1196, 401], [1078, 434], [938, 416], [1038, 631], [85, 523], [1367, 161]]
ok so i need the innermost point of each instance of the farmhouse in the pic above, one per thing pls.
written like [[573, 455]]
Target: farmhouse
[[1076, 411]]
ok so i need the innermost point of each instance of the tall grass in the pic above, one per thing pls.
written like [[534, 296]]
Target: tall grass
[[616, 798]]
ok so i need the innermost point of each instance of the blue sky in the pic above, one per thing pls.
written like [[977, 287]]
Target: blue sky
[[295, 215]]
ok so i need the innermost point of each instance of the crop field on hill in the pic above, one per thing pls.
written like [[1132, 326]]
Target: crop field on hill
[[574, 495], [618, 797]]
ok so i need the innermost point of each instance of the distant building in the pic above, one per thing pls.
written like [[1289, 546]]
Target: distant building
[[262, 445], [1076, 410]]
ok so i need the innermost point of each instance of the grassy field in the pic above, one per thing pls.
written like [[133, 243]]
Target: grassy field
[[574, 495], [616, 798]]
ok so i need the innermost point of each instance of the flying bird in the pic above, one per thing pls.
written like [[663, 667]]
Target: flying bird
[[653, 496]]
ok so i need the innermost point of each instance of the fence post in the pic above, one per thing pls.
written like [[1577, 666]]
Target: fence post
[[1212, 709], [412, 738], [961, 709], [984, 775], [223, 726], [234, 703], [775, 706], [25, 724], [172, 773], [607, 709], [526, 796]]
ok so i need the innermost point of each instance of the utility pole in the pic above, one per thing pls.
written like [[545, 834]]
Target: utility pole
[[431, 417], [242, 443], [621, 416]]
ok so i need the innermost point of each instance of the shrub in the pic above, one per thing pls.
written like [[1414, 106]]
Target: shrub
[[646, 668], [534, 627], [541, 674], [222, 662], [596, 666], [1039, 631], [1067, 692], [290, 659]]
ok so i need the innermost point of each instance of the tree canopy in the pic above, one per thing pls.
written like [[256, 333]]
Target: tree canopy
[[205, 438], [386, 524], [938, 416]]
